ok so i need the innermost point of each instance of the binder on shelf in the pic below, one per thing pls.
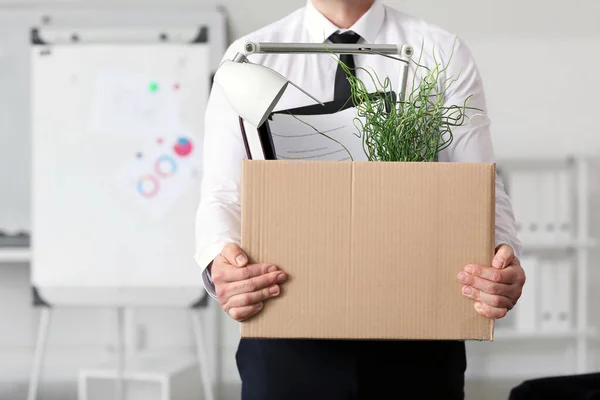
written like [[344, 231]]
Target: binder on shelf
[[548, 288], [564, 193], [546, 193], [524, 198], [526, 311], [557, 312], [564, 295]]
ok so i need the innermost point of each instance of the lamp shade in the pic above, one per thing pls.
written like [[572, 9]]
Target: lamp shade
[[252, 90]]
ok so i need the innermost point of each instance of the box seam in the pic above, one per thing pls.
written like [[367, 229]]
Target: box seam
[[350, 241]]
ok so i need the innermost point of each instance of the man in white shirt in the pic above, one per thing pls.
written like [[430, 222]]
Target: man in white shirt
[[309, 369]]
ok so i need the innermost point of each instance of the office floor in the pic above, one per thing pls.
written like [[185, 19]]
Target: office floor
[[496, 390]]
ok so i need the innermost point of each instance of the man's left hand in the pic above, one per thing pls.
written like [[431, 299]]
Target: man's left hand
[[495, 289]]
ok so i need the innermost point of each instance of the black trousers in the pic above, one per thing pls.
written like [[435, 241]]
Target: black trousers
[[278, 369]]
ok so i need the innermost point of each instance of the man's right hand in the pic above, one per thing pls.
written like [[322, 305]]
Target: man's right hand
[[242, 288]]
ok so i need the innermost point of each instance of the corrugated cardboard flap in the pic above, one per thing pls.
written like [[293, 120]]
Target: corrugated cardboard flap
[[372, 249]]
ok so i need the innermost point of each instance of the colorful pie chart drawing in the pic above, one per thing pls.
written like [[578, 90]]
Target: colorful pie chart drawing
[[165, 166], [148, 186], [183, 147]]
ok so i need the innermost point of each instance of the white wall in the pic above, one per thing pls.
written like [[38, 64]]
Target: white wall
[[546, 50], [536, 58]]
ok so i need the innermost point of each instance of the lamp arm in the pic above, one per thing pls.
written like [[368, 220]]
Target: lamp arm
[[403, 52]]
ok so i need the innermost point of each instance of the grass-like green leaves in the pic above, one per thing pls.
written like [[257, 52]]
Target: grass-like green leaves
[[413, 130]]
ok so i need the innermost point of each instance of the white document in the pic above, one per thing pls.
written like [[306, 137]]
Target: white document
[[326, 137], [128, 104]]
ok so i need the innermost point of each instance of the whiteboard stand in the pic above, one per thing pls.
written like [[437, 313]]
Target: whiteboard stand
[[147, 370], [132, 96], [40, 349], [120, 353], [120, 375], [202, 355]]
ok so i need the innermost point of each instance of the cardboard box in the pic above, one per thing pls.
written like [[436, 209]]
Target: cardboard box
[[372, 249]]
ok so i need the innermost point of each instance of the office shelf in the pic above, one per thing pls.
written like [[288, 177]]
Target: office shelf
[[536, 246], [10, 255], [506, 334], [538, 202]]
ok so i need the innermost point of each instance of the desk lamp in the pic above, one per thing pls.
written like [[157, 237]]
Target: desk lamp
[[254, 90]]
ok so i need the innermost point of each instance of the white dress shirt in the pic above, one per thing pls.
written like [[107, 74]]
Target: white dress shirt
[[218, 214]]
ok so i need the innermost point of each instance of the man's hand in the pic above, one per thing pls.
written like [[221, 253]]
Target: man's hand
[[495, 289], [241, 287]]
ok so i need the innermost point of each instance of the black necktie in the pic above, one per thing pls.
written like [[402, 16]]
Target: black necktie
[[342, 86]]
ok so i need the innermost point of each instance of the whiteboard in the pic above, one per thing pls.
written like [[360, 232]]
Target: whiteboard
[[541, 102], [116, 168], [15, 54]]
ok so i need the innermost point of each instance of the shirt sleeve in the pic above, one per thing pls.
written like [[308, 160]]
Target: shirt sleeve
[[218, 213], [472, 142]]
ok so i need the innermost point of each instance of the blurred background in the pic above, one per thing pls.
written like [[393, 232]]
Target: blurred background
[[538, 60]]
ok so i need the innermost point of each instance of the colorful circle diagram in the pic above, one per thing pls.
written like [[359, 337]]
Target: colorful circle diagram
[[183, 147], [165, 166], [148, 186]]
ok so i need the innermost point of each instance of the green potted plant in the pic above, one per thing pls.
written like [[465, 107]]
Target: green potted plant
[[415, 129]]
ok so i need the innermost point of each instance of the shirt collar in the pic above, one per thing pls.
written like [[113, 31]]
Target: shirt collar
[[320, 28]]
